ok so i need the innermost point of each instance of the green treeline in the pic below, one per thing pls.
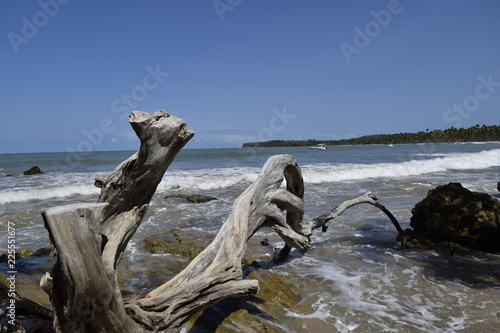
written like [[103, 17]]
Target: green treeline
[[473, 134]]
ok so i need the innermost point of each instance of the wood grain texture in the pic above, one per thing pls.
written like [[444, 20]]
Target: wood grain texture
[[90, 238]]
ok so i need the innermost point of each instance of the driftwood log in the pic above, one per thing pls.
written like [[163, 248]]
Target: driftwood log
[[91, 238]]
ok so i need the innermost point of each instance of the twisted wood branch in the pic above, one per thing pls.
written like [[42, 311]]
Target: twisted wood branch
[[90, 239]]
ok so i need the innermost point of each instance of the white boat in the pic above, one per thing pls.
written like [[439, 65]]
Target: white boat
[[319, 146]]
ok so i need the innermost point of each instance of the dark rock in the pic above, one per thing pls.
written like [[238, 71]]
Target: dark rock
[[198, 198], [177, 242], [20, 253], [257, 313], [498, 186], [25, 252], [44, 251], [33, 171], [29, 288], [452, 213], [195, 198]]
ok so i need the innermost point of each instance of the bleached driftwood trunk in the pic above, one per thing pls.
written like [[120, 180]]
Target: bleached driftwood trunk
[[216, 272], [90, 239]]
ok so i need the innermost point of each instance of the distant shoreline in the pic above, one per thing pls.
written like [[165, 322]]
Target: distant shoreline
[[451, 135]]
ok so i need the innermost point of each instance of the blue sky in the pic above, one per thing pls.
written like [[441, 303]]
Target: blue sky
[[244, 70]]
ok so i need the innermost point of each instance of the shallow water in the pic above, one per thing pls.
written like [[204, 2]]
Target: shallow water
[[355, 278]]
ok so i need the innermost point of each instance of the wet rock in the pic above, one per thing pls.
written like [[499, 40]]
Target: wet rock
[[20, 253], [449, 247], [32, 171], [234, 314], [25, 252], [195, 198], [276, 289], [29, 287], [138, 277], [277, 294], [198, 198], [31, 263], [175, 242], [452, 213], [498, 186], [43, 251]]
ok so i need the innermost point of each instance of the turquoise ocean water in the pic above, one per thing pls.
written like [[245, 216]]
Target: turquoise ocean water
[[360, 280]]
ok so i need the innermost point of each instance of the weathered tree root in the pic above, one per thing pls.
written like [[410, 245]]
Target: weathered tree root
[[216, 272], [320, 222], [90, 239], [368, 198]]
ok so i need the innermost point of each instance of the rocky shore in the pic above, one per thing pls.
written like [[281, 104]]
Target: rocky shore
[[457, 217]]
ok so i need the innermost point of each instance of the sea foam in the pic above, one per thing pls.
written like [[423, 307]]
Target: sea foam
[[43, 193], [210, 179], [323, 173], [220, 178]]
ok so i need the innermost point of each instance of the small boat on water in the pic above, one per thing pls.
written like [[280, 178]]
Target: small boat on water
[[319, 146]]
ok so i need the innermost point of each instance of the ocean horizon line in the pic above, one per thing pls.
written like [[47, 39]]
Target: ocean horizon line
[[240, 147]]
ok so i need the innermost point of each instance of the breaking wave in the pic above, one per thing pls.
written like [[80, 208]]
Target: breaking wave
[[219, 178]]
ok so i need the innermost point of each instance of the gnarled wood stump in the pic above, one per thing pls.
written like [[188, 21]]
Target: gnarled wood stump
[[90, 239]]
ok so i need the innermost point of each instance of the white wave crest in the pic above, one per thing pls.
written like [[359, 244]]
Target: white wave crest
[[207, 179], [43, 193], [322, 173], [210, 179], [220, 178]]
